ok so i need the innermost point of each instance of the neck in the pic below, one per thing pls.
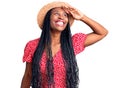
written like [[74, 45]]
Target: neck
[[55, 38]]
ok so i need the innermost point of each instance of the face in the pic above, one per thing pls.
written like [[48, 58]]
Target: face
[[58, 19]]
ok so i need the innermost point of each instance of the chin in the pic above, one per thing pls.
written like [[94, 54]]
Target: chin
[[60, 29]]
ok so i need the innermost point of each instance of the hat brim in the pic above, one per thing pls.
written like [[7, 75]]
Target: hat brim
[[46, 8]]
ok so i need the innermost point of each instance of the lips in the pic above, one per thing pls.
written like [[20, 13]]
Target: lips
[[59, 23]]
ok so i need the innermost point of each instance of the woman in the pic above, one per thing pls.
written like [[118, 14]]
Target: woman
[[50, 59]]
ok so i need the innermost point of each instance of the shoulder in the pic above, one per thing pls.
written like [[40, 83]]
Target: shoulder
[[78, 40], [32, 44], [79, 35], [30, 49], [33, 41]]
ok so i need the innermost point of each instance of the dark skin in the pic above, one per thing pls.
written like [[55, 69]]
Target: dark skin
[[27, 76], [59, 17]]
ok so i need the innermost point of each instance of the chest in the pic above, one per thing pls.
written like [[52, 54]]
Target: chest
[[55, 49], [58, 63]]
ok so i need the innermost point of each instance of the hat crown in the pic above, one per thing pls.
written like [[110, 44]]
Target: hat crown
[[43, 11]]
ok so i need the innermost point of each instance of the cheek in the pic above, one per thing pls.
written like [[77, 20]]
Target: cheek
[[52, 19], [51, 24], [67, 20]]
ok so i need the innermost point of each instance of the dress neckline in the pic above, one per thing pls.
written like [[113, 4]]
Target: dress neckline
[[53, 56]]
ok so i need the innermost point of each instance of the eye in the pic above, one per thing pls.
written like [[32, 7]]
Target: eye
[[56, 13], [65, 14]]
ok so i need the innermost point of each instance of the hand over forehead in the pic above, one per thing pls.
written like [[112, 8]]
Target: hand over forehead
[[76, 14]]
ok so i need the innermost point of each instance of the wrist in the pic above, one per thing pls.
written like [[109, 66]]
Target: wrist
[[84, 18]]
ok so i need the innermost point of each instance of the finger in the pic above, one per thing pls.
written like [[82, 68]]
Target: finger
[[65, 9]]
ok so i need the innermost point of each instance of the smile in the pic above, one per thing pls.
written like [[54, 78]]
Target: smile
[[59, 23]]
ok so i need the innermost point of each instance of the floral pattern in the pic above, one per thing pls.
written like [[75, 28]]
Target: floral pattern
[[58, 61]]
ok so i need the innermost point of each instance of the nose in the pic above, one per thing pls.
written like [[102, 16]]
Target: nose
[[61, 16]]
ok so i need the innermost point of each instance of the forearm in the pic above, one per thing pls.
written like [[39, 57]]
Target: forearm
[[99, 32], [26, 81], [95, 26]]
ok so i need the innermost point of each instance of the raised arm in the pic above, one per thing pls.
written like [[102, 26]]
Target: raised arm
[[99, 32], [26, 80]]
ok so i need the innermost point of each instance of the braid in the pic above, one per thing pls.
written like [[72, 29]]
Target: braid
[[67, 52], [69, 56]]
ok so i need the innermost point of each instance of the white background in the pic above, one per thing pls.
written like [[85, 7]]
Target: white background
[[99, 64]]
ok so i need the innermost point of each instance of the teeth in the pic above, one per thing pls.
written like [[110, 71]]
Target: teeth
[[59, 23]]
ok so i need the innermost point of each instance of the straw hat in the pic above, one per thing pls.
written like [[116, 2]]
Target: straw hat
[[46, 8]]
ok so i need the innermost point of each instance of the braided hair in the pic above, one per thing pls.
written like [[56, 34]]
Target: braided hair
[[67, 54]]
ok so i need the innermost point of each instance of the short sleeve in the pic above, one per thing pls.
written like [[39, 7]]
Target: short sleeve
[[78, 42], [29, 50]]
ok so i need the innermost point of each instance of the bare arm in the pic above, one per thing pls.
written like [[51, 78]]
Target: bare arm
[[26, 80], [99, 32]]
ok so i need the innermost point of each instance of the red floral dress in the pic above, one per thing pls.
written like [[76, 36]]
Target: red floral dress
[[59, 68]]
